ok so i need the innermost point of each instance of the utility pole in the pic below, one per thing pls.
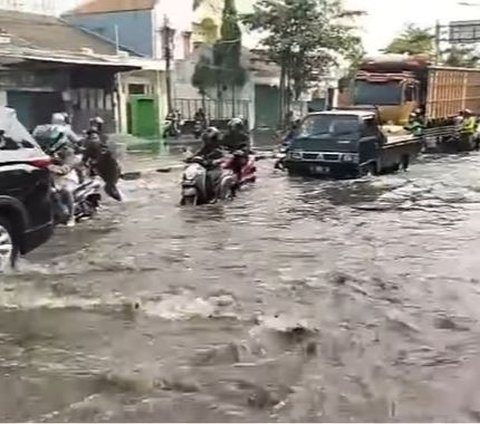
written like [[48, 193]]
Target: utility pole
[[438, 35], [167, 52]]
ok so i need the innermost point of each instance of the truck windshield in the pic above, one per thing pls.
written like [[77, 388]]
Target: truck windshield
[[329, 125], [377, 93]]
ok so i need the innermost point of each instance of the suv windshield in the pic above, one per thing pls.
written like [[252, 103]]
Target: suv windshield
[[13, 135], [330, 125], [377, 93]]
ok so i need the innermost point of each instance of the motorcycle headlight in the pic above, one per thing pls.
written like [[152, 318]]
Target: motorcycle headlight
[[350, 157], [191, 173]]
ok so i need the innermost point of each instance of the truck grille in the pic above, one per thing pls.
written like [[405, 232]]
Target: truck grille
[[310, 156], [332, 157]]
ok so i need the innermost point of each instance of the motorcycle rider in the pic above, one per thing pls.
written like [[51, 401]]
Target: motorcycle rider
[[63, 163], [43, 133], [211, 152], [99, 156], [237, 138]]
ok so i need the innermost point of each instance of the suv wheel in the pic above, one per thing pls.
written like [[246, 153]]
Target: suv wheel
[[8, 248]]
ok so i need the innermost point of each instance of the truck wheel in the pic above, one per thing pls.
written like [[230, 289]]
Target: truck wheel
[[8, 245], [405, 162]]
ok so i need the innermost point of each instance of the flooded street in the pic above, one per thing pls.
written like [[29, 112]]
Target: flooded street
[[302, 300]]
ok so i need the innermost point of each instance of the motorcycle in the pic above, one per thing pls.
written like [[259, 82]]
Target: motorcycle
[[170, 129], [86, 196], [194, 183], [243, 166]]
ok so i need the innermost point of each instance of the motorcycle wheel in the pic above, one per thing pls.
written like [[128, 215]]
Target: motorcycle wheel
[[189, 200]]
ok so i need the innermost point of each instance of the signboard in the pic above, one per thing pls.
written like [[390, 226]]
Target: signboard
[[464, 32]]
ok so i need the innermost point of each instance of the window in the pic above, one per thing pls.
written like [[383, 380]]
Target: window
[[377, 93], [410, 93], [137, 89], [370, 127], [187, 43], [13, 135], [328, 125]]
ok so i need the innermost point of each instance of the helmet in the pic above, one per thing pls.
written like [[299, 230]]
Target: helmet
[[97, 121], [236, 123], [211, 134], [58, 119]]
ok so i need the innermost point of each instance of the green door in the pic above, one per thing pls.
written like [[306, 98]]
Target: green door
[[143, 117], [267, 106]]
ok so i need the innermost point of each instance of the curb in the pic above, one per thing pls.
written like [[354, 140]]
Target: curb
[[135, 174]]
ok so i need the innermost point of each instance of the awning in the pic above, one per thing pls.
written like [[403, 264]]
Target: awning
[[69, 58]]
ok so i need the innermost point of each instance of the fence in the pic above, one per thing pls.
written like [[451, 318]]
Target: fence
[[214, 109]]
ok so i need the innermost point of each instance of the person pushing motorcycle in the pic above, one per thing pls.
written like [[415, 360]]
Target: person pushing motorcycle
[[101, 159]]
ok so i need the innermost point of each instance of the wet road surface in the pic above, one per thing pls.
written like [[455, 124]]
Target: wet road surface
[[302, 300]]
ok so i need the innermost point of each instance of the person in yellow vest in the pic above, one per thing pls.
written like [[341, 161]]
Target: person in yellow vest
[[469, 128]]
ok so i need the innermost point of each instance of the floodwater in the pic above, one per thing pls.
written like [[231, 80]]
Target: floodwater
[[302, 300]]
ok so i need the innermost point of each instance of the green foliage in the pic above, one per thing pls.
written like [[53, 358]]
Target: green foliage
[[228, 50], [305, 37], [355, 58], [204, 75], [461, 56], [413, 40], [197, 4], [225, 69]]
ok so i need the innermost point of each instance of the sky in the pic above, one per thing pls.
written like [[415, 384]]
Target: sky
[[384, 20]]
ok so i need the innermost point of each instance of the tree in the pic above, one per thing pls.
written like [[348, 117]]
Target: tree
[[204, 75], [224, 68], [412, 40], [355, 58], [304, 37], [227, 52], [461, 56]]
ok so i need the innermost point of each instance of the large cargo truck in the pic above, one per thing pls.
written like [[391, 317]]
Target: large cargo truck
[[398, 85]]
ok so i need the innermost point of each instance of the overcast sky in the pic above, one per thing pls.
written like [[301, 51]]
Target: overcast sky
[[384, 20]]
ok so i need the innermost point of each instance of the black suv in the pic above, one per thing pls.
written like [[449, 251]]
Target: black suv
[[26, 219]]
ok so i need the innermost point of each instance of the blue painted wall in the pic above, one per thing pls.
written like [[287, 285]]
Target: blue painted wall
[[134, 28]]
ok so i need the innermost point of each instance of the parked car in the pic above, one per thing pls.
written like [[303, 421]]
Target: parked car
[[26, 218]]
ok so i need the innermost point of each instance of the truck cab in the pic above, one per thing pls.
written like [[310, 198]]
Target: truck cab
[[346, 143], [394, 84]]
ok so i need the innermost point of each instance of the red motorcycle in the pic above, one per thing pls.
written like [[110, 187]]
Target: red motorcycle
[[243, 166]]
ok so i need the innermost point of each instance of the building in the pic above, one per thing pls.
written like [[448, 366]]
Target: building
[[139, 25], [207, 20], [49, 66]]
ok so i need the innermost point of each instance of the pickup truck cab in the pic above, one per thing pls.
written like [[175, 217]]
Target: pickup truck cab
[[348, 143]]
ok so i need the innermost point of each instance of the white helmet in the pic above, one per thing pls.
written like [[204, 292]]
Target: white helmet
[[58, 119]]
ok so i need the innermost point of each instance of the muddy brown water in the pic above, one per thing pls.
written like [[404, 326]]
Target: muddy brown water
[[303, 300]]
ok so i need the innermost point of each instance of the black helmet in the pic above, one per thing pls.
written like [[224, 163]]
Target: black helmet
[[211, 135], [236, 123]]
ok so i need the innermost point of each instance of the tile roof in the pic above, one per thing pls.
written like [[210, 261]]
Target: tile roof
[[49, 33], [109, 6]]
